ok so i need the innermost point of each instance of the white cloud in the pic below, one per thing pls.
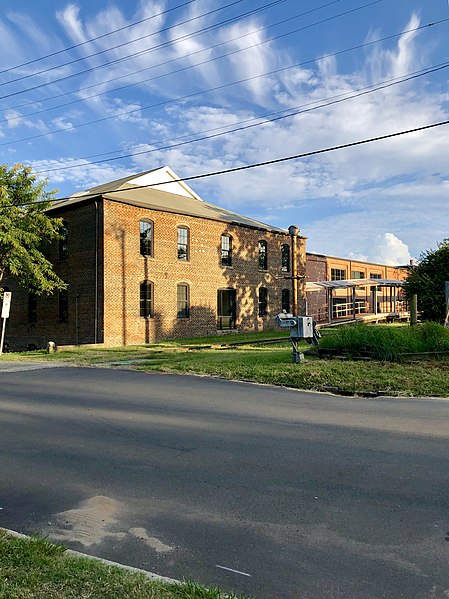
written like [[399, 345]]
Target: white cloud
[[347, 202], [82, 176], [390, 250]]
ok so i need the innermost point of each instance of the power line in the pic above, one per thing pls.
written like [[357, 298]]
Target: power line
[[127, 112], [299, 64], [207, 49], [94, 39], [187, 36], [296, 111], [253, 165], [146, 51], [65, 64]]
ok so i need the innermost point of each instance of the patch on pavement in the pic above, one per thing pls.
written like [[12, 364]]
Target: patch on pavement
[[91, 523]]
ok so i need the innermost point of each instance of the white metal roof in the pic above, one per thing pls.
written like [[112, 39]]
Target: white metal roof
[[349, 283]]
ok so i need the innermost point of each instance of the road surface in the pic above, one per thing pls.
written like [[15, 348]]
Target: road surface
[[256, 489]]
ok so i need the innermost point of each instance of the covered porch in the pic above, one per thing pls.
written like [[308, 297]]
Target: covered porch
[[357, 299]]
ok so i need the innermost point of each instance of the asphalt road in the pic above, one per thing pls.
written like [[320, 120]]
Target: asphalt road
[[298, 495]]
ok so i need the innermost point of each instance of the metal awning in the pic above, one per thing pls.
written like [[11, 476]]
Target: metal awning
[[350, 283]]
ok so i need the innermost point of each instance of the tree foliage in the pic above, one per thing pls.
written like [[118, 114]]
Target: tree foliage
[[427, 281], [25, 229]]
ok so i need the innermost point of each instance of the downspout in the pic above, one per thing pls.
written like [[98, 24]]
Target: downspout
[[294, 232], [96, 274]]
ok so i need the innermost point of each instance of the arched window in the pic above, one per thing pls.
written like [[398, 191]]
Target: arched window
[[285, 301], [263, 301], [146, 299], [146, 238], [226, 250], [285, 258], [263, 258], [183, 309], [183, 243]]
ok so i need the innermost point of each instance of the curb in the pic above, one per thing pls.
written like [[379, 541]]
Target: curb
[[106, 562]]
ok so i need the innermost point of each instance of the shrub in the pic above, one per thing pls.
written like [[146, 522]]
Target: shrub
[[387, 342]]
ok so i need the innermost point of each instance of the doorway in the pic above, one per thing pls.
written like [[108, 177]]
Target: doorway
[[226, 309]]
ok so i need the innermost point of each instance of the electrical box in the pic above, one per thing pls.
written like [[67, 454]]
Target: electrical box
[[286, 321], [303, 328]]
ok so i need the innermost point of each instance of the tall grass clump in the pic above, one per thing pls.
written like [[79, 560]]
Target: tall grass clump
[[386, 342]]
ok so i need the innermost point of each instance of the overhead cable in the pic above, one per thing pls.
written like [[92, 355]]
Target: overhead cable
[[187, 36], [291, 112]]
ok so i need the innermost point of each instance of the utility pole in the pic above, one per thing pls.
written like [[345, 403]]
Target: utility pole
[[294, 232]]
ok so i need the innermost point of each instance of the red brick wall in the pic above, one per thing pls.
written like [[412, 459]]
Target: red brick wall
[[115, 317], [316, 270], [78, 270], [125, 269]]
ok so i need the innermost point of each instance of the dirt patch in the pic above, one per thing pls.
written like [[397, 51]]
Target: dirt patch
[[91, 523]]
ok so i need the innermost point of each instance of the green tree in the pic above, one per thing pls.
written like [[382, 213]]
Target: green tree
[[427, 281], [25, 229]]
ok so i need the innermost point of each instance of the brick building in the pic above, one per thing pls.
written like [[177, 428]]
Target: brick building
[[146, 261], [367, 299]]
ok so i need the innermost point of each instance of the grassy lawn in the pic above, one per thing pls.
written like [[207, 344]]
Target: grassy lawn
[[272, 364], [34, 568]]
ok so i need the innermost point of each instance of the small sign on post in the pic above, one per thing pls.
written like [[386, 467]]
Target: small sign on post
[[6, 306]]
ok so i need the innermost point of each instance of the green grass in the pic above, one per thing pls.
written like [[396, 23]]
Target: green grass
[[387, 342], [272, 364], [33, 568]]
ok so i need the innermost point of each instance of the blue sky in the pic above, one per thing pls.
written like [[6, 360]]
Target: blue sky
[[179, 70]]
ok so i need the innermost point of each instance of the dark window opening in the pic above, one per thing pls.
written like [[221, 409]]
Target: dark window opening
[[146, 238], [183, 243], [32, 308], [146, 299], [226, 308], [263, 301], [64, 306], [63, 250], [285, 258], [226, 250], [285, 302], [357, 274], [183, 301], [263, 258], [338, 274]]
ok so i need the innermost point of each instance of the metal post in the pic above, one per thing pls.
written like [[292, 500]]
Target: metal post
[[353, 302], [3, 336], [413, 310], [294, 232], [76, 321], [446, 291]]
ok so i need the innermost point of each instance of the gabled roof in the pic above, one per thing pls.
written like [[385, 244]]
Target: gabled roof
[[160, 189]]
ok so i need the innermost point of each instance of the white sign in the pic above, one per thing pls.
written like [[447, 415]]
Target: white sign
[[6, 304]]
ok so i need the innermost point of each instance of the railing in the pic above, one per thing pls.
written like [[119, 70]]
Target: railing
[[345, 309]]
